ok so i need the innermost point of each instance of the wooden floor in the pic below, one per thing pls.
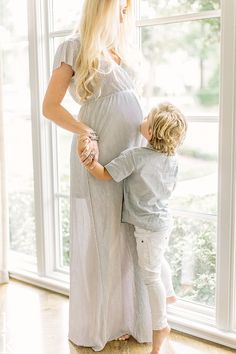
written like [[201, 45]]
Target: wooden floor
[[35, 321]]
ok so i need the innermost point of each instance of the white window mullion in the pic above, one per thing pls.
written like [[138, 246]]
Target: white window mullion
[[201, 15], [33, 64], [202, 119], [63, 33], [227, 165], [41, 137], [56, 200]]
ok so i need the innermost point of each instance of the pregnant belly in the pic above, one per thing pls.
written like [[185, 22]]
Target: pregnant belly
[[116, 119]]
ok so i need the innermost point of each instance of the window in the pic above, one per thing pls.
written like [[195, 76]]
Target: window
[[182, 63], [17, 122], [64, 15]]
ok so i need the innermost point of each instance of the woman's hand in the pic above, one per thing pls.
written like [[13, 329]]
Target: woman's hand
[[87, 150]]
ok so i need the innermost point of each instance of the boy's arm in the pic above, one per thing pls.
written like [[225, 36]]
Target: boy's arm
[[100, 172], [118, 169]]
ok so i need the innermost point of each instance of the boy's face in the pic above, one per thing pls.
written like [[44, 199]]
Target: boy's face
[[145, 130]]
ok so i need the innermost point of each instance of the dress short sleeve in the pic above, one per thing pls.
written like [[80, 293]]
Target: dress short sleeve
[[67, 52]]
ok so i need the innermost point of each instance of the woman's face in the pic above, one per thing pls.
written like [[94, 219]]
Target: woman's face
[[123, 9]]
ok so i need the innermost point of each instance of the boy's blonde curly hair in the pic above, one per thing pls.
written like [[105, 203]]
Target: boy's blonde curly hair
[[168, 127]]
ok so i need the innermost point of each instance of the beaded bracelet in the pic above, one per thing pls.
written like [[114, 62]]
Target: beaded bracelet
[[93, 136]]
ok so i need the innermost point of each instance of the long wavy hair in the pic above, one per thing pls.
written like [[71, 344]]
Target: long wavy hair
[[100, 30]]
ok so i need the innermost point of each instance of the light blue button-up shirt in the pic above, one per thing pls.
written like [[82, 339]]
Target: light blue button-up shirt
[[149, 179]]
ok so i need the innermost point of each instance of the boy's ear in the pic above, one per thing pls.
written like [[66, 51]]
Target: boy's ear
[[150, 133]]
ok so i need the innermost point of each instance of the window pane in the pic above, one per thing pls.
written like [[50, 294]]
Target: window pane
[[66, 14], [192, 257], [62, 200], [65, 229], [63, 155], [196, 189], [160, 8], [17, 123], [182, 62], [63, 168], [183, 65]]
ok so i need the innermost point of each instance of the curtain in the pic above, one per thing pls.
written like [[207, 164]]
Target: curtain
[[4, 276]]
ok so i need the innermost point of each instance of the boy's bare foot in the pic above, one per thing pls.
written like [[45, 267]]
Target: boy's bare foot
[[171, 300], [158, 339], [124, 337]]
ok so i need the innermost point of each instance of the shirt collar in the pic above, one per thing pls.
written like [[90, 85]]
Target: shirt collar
[[149, 146]]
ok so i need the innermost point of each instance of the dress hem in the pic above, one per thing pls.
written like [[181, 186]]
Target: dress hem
[[98, 349]]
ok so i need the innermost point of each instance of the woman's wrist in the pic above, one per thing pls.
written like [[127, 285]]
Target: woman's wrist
[[89, 132], [93, 136]]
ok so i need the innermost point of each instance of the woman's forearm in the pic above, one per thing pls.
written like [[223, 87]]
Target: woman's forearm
[[60, 116]]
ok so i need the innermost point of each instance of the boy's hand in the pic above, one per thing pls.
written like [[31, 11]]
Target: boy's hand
[[87, 150]]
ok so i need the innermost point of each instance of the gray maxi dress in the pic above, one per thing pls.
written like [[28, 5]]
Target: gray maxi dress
[[107, 295]]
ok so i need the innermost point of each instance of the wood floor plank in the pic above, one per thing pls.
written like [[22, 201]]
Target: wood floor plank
[[35, 321]]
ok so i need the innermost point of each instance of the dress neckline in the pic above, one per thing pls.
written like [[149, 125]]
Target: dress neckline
[[115, 60], [121, 65]]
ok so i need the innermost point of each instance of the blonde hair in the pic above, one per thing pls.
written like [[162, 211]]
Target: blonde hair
[[168, 126], [100, 30]]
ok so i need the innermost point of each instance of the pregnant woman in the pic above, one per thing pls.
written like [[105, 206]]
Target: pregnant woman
[[108, 299]]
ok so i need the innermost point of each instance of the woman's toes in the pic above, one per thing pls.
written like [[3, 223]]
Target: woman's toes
[[124, 337]]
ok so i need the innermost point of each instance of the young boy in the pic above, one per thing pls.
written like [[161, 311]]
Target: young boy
[[149, 175]]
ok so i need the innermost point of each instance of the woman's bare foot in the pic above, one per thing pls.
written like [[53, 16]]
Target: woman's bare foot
[[171, 300], [158, 339], [124, 337]]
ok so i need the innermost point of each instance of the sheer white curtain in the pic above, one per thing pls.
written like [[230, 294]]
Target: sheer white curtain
[[4, 276]]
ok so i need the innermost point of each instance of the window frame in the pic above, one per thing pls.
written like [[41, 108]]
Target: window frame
[[226, 238], [198, 320]]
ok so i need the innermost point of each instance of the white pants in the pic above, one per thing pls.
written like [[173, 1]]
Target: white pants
[[151, 247]]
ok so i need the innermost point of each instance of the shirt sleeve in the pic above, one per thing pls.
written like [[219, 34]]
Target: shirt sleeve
[[67, 53], [122, 166]]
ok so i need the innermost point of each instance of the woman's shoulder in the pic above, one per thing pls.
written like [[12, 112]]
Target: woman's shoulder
[[71, 42], [74, 38], [67, 51]]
